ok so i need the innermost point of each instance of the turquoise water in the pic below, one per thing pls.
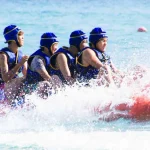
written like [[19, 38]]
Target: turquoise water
[[66, 121]]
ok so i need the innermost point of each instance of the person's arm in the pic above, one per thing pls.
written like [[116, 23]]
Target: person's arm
[[24, 71], [7, 74], [62, 64], [39, 66], [90, 58], [113, 67]]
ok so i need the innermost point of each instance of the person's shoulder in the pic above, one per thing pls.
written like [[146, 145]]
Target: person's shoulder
[[3, 51], [38, 58], [3, 56], [61, 56], [89, 51], [65, 47]]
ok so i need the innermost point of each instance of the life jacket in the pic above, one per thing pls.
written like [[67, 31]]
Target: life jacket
[[85, 73], [71, 63], [12, 60], [33, 76]]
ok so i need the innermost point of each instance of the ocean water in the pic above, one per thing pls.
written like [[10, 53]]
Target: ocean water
[[67, 120]]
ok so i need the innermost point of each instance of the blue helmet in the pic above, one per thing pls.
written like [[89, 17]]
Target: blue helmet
[[11, 33], [76, 37], [96, 34], [48, 39]]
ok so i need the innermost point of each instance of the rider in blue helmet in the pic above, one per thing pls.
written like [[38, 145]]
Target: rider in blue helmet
[[96, 35], [98, 42], [90, 61], [12, 61], [49, 40], [38, 73], [76, 37], [11, 34], [63, 61]]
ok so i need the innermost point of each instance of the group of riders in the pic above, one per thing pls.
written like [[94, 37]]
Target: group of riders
[[51, 67]]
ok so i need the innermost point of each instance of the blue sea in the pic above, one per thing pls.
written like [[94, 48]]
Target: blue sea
[[66, 121]]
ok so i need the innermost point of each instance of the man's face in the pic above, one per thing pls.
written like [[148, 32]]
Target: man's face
[[20, 38], [101, 44]]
